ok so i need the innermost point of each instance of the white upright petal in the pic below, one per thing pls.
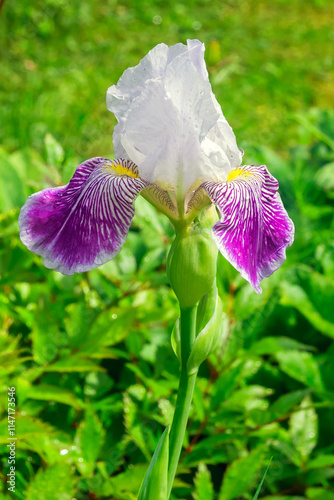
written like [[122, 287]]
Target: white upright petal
[[169, 121]]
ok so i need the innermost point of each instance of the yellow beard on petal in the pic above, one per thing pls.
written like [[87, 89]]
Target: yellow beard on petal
[[121, 170], [238, 172]]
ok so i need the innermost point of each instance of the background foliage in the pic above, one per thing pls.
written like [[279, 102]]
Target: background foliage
[[90, 354]]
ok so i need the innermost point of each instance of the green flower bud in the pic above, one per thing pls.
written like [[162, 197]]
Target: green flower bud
[[192, 260]]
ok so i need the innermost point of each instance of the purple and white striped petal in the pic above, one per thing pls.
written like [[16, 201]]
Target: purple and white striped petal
[[84, 224], [255, 229]]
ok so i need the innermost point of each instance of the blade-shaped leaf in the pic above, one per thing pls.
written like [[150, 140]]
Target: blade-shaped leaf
[[154, 486], [256, 496]]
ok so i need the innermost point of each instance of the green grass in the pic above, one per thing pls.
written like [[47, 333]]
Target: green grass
[[267, 60], [90, 355]]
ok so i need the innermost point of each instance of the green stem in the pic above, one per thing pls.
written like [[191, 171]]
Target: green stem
[[185, 393]]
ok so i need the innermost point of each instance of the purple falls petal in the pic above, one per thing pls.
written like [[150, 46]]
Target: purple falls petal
[[255, 229], [84, 224]]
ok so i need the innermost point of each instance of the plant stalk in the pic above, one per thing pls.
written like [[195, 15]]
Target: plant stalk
[[185, 393]]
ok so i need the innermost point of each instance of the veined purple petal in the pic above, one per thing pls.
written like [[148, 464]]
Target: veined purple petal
[[84, 224], [255, 229]]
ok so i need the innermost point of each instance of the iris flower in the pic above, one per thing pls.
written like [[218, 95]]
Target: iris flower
[[174, 147]]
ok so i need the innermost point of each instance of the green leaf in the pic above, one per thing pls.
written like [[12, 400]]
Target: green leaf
[[321, 461], [12, 191], [133, 425], [271, 345], [30, 167], [122, 486], [303, 428], [45, 335], [46, 392], [73, 363], [242, 474], [325, 177], [319, 494], [54, 152], [54, 482], [25, 427], [77, 321], [313, 129], [153, 259], [227, 383], [154, 486], [285, 497], [89, 439], [109, 328], [203, 484], [301, 366], [294, 295], [256, 496], [284, 403]]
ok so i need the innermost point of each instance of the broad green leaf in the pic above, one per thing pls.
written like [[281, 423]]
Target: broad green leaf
[[97, 384], [73, 363], [12, 190], [69, 168], [271, 345], [154, 486], [26, 427], [203, 484], [54, 152], [242, 474], [248, 303], [134, 427], [315, 130], [124, 265], [285, 446], [77, 321], [55, 482], [89, 439], [319, 494], [325, 177], [250, 397], [153, 259], [321, 461], [226, 384], [45, 338], [294, 295], [122, 486], [303, 427], [109, 328], [47, 392], [301, 366], [284, 403], [284, 497], [30, 167]]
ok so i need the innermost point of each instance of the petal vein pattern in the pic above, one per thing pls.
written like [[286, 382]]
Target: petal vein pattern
[[84, 224], [254, 230]]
